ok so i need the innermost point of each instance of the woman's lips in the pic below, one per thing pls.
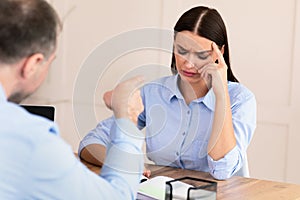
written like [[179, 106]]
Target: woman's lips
[[189, 74]]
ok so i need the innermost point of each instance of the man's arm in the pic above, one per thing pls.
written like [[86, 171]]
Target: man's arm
[[93, 146], [54, 172], [121, 157], [115, 100]]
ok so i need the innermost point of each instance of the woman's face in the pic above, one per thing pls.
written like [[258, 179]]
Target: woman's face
[[191, 53]]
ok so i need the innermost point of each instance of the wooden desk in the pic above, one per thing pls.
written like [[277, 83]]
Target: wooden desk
[[235, 188]]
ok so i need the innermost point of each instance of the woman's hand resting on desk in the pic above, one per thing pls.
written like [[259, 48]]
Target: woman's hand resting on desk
[[147, 172], [125, 99]]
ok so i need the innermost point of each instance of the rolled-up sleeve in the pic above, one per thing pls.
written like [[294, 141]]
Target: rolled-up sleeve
[[98, 135], [225, 167]]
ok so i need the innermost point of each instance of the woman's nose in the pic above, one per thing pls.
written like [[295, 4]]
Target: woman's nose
[[189, 64], [189, 61]]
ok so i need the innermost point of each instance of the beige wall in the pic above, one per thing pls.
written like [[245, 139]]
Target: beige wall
[[265, 47]]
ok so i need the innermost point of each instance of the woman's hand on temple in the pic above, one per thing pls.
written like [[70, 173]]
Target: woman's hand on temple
[[215, 74]]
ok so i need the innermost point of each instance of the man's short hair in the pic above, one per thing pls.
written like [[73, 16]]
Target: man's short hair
[[27, 27]]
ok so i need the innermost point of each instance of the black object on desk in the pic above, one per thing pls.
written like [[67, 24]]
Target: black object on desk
[[44, 111], [194, 188]]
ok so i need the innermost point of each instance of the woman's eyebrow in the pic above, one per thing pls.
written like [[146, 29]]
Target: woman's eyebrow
[[204, 51], [199, 52], [179, 46]]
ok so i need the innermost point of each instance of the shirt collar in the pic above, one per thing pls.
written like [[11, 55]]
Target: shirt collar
[[208, 100], [2, 94], [174, 90]]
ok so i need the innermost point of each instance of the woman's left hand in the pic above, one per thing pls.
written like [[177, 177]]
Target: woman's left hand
[[215, 74]]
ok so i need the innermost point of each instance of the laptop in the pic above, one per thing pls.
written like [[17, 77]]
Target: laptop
[[41, 110]]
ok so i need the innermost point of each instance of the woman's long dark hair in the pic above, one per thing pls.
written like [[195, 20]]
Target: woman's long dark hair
[[205, 22]]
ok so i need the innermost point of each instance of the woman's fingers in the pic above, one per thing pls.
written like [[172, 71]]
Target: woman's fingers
[[147, 173], [209, 67]]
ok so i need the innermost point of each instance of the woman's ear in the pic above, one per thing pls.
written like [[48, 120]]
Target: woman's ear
[[31, 65]]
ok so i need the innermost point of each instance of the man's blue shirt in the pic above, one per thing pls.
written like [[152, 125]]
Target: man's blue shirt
[[37, 164]]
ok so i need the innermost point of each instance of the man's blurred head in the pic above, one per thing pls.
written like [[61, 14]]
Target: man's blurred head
[[28, 38]]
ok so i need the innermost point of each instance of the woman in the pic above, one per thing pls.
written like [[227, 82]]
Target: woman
[[200, 118]]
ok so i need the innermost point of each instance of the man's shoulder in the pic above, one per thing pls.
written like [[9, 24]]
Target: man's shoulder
[[16, 119], [26, 138]]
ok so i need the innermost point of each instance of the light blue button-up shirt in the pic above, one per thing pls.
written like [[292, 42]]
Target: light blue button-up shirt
[[177, 134], [37, 164]]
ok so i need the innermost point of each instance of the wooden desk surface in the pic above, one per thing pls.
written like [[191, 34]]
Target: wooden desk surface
[[235, 188]]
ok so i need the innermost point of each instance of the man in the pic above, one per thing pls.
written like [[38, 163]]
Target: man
[[35, 162]]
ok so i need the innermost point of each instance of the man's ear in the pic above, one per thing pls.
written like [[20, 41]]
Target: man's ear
[[31, 65]]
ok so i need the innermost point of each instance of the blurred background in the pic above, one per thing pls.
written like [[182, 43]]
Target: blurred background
[[264, 39]]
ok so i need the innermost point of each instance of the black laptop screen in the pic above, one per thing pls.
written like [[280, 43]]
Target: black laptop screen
[[44, 111]]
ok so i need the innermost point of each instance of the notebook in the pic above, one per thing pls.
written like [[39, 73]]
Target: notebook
[[41, 110]]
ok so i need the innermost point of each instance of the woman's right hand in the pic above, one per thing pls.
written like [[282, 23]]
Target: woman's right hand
[[215, 74]]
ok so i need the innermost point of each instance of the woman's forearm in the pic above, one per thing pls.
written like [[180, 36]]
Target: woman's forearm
[[222, 138], [94, 154]]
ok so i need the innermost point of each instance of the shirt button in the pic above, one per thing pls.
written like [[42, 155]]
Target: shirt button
[[183, 133], [188, 112], [177, 154]]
